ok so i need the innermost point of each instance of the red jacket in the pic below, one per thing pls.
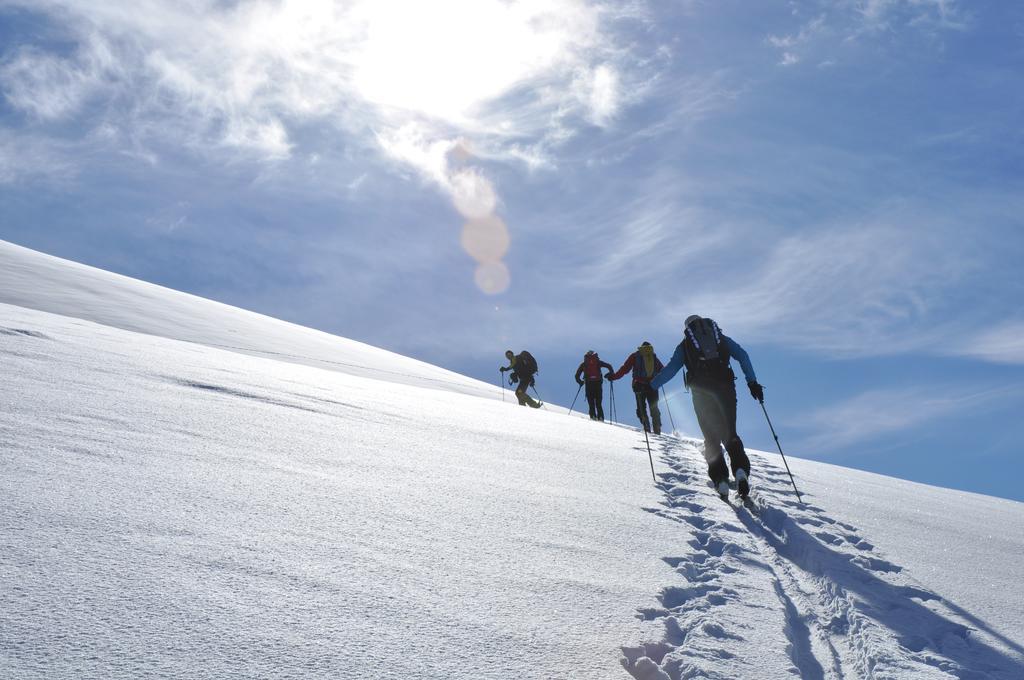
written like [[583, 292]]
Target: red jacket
[[592, 366], [638, 369]]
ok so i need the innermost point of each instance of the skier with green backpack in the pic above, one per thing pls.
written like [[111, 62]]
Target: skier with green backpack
[[524, 368], [705, 352]]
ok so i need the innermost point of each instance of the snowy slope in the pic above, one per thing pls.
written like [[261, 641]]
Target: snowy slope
[[173, 509], [37, 281]]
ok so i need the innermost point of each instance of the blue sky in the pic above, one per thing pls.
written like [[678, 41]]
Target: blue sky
[[839, 184]]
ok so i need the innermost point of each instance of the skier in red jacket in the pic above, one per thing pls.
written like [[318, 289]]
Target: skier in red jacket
[[591, 366], [645, 365]]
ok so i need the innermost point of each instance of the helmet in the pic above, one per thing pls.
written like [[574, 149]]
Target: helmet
[[690, 319], [589, 352]]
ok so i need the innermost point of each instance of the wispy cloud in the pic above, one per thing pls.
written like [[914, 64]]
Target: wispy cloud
[[884, 14], [791, 44], [890, 413], [248, 75], [858, 290], [1000, 343], [843, 23], [28, 156], [438, 89]]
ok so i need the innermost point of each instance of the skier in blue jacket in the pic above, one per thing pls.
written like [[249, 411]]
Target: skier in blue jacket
[[705, 352]]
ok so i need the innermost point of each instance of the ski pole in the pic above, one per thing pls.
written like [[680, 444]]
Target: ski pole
[[611, 384], [537, 393], [670, 419], [799, 500], [650, 457], [501, 382], [575, 398]]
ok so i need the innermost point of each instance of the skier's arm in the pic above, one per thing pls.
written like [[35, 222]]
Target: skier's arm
[[668, 372], [605, 364], [740, 355], [578, 372], [626, 367]]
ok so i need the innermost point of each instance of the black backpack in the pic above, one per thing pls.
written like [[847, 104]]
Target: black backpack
[[526, 364], [706, 354]]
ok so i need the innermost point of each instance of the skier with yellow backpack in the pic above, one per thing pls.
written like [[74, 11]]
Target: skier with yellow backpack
[[645, 365]]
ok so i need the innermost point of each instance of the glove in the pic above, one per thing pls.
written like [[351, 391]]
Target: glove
[[533, 381], [609, 376], [756, 391], [513, 379], [579, 382], [503, 369]]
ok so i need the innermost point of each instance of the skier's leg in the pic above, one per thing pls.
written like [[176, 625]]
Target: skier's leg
[[521, 394], [652, 400], [738, 459], [598, 398], [590, 400], [710, 419], [641, 409]]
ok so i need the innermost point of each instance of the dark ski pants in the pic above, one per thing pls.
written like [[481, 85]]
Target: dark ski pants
[[595, 395], [524, 398], [647, 397], [716, 415]]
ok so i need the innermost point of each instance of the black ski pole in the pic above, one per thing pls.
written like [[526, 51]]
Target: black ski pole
[[537, 393], [670, 419], [501, 382], [799, 500], [649, 456], [611, 384], [575, 398]]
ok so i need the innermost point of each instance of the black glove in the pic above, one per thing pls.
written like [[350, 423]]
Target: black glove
[[756, 391], [533, 381], [503, 369], [579, 382], [513, 379], [609, 376]]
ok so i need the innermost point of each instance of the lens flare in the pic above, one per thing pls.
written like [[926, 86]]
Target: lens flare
[[492, 277], [485, 239]]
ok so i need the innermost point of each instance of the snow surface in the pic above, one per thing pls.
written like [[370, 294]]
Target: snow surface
[[51, 284], [175, 509]]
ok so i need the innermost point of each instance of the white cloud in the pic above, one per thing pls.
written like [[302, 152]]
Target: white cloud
[[25, 156], [411, 80], [52, 87], [875, 414], [1001, 344], [845, 22], [248, 72], [265, 137], [647, 239], [883, 14], [861, 290], [791, 45], [472, 193], [600, 91]]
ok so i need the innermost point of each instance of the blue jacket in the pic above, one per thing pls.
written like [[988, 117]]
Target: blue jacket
[[678, 359]]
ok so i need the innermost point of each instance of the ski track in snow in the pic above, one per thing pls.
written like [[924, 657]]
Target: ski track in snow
[[840, 610]]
